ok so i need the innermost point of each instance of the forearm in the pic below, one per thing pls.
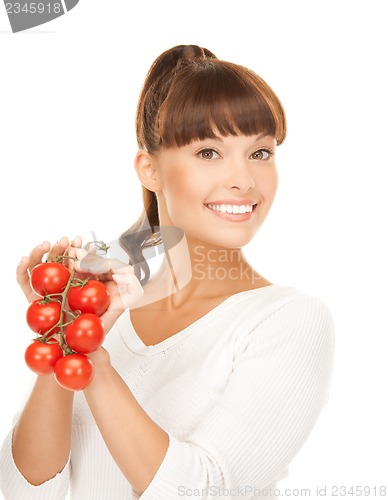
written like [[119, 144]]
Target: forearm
[[41, 438], [137, 444]]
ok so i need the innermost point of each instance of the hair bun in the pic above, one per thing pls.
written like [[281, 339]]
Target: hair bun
[[192, 52], [166, 65]]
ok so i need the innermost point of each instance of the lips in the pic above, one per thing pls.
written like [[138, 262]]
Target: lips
[[231, 201]]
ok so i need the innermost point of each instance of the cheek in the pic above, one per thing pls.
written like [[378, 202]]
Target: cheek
[[184, 188], [268, 183]]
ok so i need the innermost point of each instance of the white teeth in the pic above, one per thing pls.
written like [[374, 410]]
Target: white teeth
[[232, 209]]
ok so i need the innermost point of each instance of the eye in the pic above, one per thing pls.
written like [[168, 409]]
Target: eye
[[262, 154], [208, 154]]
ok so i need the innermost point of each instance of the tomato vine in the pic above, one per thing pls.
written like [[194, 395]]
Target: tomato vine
[[70, 309]]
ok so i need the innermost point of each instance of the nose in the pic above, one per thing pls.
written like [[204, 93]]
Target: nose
[[240, 176]]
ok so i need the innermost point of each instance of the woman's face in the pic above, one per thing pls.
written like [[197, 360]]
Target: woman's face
[[201, 183]]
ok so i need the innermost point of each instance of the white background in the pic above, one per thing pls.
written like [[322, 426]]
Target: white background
[[68, 91]]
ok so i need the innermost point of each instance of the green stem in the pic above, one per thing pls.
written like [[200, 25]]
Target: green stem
[[63, 344]]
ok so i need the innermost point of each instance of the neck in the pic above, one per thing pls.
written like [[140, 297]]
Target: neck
[[193, 269]]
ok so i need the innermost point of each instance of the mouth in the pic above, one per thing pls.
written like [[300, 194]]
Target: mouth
[[232, 209], [234, 213]]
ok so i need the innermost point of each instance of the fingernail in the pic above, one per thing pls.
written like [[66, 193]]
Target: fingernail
[[75, 240]]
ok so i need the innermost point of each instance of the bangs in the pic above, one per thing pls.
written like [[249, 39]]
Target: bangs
[[219, 98]]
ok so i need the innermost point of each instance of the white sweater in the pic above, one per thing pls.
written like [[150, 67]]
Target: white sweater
[[238, 393]]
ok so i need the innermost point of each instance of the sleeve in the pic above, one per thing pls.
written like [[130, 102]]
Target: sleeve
[[14, 486], [279, 384]]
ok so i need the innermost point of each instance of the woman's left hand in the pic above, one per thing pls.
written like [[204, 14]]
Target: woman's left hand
[[124, 288]]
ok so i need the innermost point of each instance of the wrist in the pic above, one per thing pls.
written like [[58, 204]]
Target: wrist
[[100, 357], [101, 363]]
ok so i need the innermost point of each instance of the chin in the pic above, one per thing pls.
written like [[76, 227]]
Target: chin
[[234, 241]]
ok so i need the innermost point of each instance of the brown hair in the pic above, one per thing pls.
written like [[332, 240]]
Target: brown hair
[[189, 95]]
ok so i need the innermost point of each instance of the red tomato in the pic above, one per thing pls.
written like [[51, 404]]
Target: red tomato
[[41, 357], [74, 372], [93, 297], [49, 277], [85, 334], [42, 316]]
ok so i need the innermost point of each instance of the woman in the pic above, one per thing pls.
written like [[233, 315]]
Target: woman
[[213, 381]]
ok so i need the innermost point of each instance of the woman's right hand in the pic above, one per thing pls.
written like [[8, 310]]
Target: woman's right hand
[[28, 263]]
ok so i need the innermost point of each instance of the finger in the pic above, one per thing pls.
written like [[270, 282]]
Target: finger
[[91, 263], [129, 288], [72, 257], [71, 252], [59, 248], [77, 242], [22, 276], [37, 253], [126, 272], [83, 261], [120, 268], [95, 264]]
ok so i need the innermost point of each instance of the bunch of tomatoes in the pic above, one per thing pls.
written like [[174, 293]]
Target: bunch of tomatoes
[[67, 321]]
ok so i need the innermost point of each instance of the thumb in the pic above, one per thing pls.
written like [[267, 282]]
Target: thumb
[[128, 286]]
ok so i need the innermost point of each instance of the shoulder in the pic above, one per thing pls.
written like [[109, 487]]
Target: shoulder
[[293, 303], [280, 300], [284, 311]]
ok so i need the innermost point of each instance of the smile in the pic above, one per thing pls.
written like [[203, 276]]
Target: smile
[[232, 209], [232, 213]]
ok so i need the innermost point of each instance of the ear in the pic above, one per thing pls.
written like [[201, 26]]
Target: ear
[[146, 170]]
